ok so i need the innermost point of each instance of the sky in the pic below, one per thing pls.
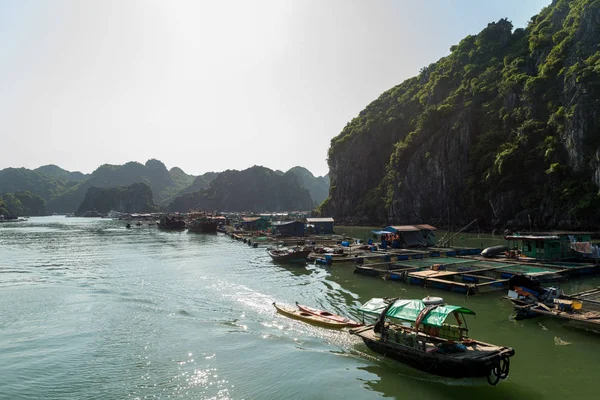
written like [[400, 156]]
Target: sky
[[211, 85]]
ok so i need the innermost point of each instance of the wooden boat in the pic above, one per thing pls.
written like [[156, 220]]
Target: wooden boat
[[414, 332], [309, 318], [326, 314], [171, 222], [289, 255], [579, 310], [202, 225]]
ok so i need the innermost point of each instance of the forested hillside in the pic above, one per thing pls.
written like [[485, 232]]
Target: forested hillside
[[505, 129], [133, 198], [254, 189]]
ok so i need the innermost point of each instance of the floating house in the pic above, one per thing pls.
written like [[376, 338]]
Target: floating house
[[254, 223], [288, 228], [422, 235], [552, 245], [321, 226]]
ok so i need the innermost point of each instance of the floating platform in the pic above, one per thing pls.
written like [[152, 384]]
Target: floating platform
[[569, 268], [457, 274]]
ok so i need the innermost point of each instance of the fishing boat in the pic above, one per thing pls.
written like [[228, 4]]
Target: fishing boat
[[202, 225], [171, 222], [308, 317], [579, 310], [326, 314], [415, 333], [289, 255]]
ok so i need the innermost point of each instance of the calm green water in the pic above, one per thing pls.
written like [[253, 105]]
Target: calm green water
[[91, 310]]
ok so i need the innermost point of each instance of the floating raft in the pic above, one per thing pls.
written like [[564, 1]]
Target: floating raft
[[457, 274], [567, 268]]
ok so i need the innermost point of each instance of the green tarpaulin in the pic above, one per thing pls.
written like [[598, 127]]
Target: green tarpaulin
[[408, 310]]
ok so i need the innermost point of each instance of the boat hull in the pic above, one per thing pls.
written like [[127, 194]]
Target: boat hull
[[439, 364], [328, 315], [308, 318], [295, 257], [203, 227]]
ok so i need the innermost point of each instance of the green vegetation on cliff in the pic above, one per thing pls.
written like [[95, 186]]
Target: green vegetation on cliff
[[318, 186], [20, 204], [60, 173], [22, 179], [254, 189], [128, 199], [505, 128]]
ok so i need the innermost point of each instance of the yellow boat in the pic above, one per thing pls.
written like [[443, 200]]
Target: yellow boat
[[309, 318]]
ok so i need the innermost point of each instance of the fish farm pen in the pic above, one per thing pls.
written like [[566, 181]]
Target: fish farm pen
[[456, 269], [459, 274]]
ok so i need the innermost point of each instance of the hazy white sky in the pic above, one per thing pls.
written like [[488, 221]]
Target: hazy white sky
[[211, 85]]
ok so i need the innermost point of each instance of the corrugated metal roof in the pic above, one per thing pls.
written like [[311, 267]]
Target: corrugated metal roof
[[313, 220], [403, 228], [531, 237], [281, 223], [426, 227]]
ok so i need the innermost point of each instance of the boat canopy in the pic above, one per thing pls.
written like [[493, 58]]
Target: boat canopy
[[408, 310]]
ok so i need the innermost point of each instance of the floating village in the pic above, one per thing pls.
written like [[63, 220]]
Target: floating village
[[427, 333]]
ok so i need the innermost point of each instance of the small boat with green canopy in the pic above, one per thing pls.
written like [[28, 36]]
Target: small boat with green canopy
[[416, 333]]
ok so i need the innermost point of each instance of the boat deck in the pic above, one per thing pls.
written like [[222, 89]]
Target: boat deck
[[589, 319], [589, 296], [474, 348]]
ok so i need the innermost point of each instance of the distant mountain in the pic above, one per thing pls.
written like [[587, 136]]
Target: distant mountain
[[180, 178], [23, 179], [133, 198], [317, 186], [200, 182], [60, 173], [165, 184], [64, 190], [255, 189]]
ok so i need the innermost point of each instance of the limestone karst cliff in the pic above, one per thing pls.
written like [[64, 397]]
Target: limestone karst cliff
[[506, 129], [128, 199]]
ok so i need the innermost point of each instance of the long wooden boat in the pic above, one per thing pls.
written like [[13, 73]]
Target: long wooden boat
[[289, 255], [309, 318], [414, 332], [202, 225], [326, 314], [530, 299]]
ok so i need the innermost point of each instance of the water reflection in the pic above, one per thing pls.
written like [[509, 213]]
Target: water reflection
[[392, 378]]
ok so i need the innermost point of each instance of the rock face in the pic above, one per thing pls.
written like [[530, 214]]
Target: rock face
[[318, 186], [255, 189], [505, 129], [128, 199]]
